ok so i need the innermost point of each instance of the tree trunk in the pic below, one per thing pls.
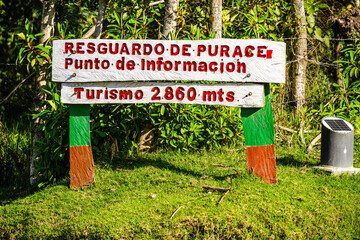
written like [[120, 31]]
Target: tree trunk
[[301, 56], [100, 18], [216, 17], [47, 28], [171, 14]]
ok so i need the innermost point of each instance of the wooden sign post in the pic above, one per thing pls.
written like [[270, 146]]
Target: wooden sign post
[[123, 71]]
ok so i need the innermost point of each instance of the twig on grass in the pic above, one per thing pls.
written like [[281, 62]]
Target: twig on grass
[[175, 212], [222, 198], [216, 188]]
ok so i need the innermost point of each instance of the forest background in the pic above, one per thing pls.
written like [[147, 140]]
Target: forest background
[[328, 54]]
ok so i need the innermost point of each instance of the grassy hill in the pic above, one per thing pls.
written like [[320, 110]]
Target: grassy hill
[[161, 195]]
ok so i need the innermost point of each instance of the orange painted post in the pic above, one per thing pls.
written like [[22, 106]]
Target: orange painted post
[[81, 158], [259, 139]]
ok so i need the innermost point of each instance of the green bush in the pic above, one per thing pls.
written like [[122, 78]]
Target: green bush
[[14, 150]]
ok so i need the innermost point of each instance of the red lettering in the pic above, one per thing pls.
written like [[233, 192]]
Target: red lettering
[[97, 61], [130, 65], [98, 93], [120, 64], [147, 49], [230, 96], [124, 49], [212, 68], [177, 63], [201, 49], [185, 49], [78, 64], [168, 65], [79, 46], [230, 67], [68, 62], [91, 48], [158, 63], [191, 94], [260, 51], [113, 51], [248, 51], [209, 96], [215, 50], [155, 97], [224, 50], [88, 95], [241, 67], [113, 94], [105, 64], [69, 47], [88, 64], [237, 52], [156, 49], [101, 48], [78, 92], [174, 50], [202, 67], [269, 54], [139, 94], [220, 94], [136, 49]]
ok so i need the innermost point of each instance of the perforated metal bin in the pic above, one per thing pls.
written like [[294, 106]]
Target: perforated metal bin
[[337, 142]]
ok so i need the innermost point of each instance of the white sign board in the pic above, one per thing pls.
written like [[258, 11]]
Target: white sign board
[[222, 60], [227, 94]]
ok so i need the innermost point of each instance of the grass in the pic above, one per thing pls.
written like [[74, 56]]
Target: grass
[[135, 199]]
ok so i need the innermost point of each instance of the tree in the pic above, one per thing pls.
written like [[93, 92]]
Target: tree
[[301, 56], [47, 29], [100, 18], [171, 14], [216, 17]]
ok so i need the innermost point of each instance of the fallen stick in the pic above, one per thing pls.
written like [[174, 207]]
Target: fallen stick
[[175, 212], [313, 142], [222, 198], [216, 188]]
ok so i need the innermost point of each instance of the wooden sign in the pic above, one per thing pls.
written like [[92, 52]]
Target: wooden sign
[[114, 71], [226, 94], [222, 60]]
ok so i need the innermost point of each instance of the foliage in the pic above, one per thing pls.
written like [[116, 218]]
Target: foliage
[[53, 148], [14, 149]]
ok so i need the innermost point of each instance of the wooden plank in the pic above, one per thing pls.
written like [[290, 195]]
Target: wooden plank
[[82, 172], [259, 139], [261, 162], [81, 158], [232, 60], [227, 94]]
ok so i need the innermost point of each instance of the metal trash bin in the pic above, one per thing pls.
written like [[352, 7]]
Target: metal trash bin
[[337, 142]]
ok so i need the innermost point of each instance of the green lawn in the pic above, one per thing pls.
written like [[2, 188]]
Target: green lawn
[[135, 199]]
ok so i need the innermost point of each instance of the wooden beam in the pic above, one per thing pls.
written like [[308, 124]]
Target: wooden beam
[[81, 158], [259, 140]]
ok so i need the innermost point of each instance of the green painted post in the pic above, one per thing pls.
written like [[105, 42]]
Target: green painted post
[[259, 139], [81, 158]]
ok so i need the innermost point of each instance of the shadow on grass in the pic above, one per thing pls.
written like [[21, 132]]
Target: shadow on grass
[[296, 161], [10, 193], [158, 162]]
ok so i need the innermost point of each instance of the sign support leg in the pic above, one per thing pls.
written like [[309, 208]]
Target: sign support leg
[[259, 139], [81, 158]]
